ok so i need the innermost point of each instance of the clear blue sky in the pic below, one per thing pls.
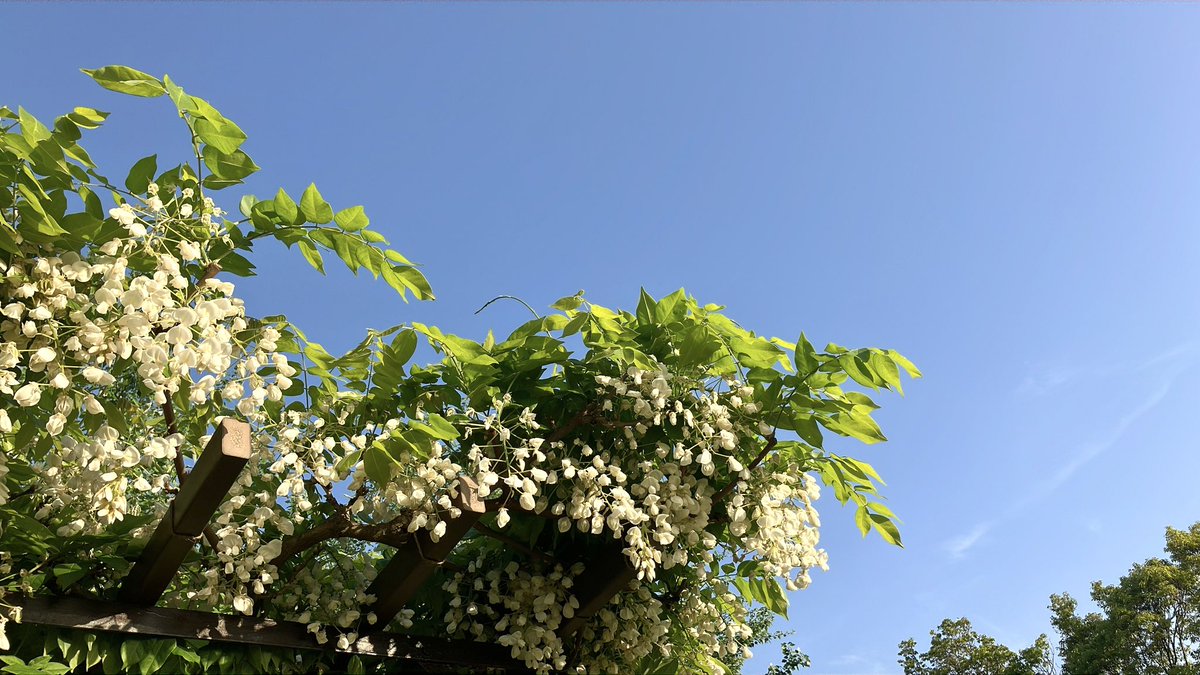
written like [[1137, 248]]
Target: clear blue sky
[[1009, 194]]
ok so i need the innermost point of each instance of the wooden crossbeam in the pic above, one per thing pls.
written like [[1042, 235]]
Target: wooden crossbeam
[[92, 615], [416, 560], [199, 496], [605, 576]]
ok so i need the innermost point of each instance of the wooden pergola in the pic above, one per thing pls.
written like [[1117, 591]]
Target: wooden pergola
[[394, 586]]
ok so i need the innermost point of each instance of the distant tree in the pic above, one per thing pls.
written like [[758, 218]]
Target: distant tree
[[760, 620], [956, 649], [1148, 624]]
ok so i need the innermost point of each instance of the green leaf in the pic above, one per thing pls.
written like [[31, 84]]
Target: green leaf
[[806, 357], [127, 81], [236, 263], [862, 469], [34, 131], [773, 597], [313, 207], [69, 573], [856, 425], [441, 427], [886, 529], [575, 325], [673, 306], [378, 465], [183, 102], [312, 255], [346, 463], [858, 370], [414, 442], [882, 510], [65, 132], [904, 363], [246, 205], [230, 166], [286, 209], [395, 257], [352, 219], [808, 429], [568, 303], [220, 134], [402, 277], [131, 653], [756, 352], [88, 118], [886, 369], [646, 309], [404, 345], [862, 518], [141, 174], [155, 654]]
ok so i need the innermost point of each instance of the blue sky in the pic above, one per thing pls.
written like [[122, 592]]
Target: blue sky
[[1005, 193]]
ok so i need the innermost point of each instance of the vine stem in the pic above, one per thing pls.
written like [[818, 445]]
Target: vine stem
[[510, 297], [724, 492]]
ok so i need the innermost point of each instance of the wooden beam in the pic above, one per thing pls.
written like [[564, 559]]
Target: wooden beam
[[605, 576], [415, 561], [109, 617], [199, 496]]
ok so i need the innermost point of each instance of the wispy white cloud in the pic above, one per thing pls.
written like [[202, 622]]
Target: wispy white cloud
[[1177, 359], [958, 546], [1046, 378], [1093, 450], [859, 664], [1044, 381]]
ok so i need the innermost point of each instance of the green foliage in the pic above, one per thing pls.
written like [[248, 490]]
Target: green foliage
[[48, 651], [783, 405], [1148, 623], [957, 649]]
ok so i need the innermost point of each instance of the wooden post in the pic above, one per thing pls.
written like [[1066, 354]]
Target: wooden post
[[93, 615], [605, 576], [185, 519], [416, 560]]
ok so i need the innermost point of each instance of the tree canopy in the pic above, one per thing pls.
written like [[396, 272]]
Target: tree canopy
[[957, 649], [1148, 623], [691, 444]]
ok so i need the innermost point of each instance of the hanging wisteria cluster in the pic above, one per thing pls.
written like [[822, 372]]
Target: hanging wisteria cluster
[[685, 445]]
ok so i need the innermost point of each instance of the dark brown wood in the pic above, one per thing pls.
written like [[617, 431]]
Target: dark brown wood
[[605, 576], [92, 615], [415, 561], [199, 496], [510, 504], [210, 479]]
